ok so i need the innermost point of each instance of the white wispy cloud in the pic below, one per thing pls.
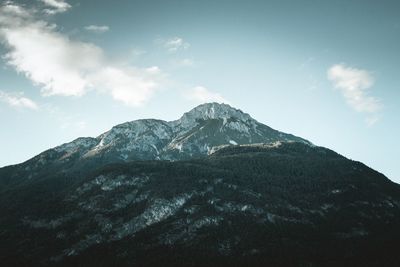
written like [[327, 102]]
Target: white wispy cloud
[[174, 44], [97, 28], [355, 85], [55, 6], [129, 85], [186, 62], [17, 100], [62, 66], [201, 94]]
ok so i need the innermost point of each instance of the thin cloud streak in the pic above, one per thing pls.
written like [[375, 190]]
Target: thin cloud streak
[[17, 100], [174, 44], [97, 28]]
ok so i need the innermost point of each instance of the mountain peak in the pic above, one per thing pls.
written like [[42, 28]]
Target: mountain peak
[[214, 111]]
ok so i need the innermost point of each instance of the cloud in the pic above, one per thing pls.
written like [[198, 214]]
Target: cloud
[[186, 62], [174, 44], [201, 94], [55, 6], [129, 85], [62, 66], [371, 120], [17, 100], [97, 28], [355, 85]]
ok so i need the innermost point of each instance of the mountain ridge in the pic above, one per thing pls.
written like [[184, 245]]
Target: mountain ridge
[[193, 135], [172, 130]]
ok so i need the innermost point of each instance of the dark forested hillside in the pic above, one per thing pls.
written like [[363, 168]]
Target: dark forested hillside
[[277, 204]]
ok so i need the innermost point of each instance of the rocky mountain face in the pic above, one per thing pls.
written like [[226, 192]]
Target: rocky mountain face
[[214, 188], [194, 135]]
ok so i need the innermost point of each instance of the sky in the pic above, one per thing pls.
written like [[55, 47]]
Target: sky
[[327, 71]]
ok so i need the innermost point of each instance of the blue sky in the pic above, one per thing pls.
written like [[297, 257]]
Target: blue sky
[[327, 71]]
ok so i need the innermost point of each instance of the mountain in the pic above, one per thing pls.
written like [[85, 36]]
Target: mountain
[[197, 199], [194, 135]]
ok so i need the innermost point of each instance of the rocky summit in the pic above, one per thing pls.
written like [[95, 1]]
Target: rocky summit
[[213, 188]]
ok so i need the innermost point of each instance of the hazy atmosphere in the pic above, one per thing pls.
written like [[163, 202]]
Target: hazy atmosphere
[[327, 71]]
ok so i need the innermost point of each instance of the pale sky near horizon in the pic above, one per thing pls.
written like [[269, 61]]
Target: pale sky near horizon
[[327, 71]]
